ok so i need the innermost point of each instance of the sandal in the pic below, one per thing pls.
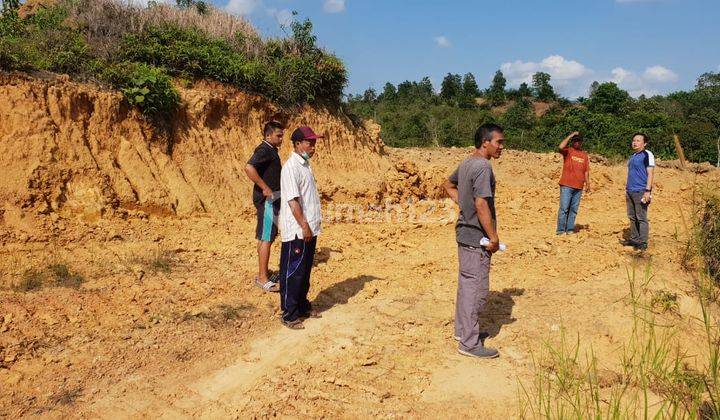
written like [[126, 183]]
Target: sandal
[[294, 325], [268, 286]]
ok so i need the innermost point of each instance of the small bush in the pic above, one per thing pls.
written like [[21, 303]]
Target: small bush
[[149, 88]]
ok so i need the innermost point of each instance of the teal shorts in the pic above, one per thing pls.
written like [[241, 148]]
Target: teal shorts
[[267, 220]]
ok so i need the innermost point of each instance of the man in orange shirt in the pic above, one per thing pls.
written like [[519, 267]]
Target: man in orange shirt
[[575, 176]]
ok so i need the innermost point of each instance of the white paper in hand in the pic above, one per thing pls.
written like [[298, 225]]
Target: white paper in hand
[[486, 242]]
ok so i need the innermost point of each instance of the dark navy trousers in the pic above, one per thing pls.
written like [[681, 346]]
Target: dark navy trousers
[[296, 260]]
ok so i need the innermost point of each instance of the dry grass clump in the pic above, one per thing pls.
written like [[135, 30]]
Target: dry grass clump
[[156, 261], [53, 275], [105, 22]]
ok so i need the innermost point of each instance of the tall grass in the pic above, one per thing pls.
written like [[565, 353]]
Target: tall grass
[[656, 377]]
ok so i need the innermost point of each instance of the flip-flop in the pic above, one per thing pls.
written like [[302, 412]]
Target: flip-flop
[[311, 314]]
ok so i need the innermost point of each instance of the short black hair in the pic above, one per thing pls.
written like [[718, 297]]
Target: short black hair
[[644, 136], [577, 137], [485, 133], [271, 126]]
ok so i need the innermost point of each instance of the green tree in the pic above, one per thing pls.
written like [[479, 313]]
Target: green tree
[[369, 95], [451, 87], [519, 116], [609, 98], [10, 5], [389, 92], [406, 90], [469, 86], [708, 81], [425, 88], [524, 90], [496, 93], [542, 87]]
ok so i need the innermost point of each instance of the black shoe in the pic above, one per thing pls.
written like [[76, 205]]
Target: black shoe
[[629, 243], [640, 247]]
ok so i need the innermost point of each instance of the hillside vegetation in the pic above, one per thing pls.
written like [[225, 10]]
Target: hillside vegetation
[[138, 50], [413, 114]]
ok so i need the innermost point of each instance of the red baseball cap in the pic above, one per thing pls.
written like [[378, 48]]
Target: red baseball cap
[[304, 133]]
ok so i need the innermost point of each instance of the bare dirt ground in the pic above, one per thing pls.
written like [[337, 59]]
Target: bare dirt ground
[[168, 324]]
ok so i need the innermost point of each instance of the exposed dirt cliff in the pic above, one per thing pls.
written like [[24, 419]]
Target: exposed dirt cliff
[[75, 149]]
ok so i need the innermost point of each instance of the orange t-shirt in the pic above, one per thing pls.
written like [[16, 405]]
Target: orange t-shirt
[[575, 164]]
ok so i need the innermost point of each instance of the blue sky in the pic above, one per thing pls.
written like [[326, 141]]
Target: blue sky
[[646, 46]]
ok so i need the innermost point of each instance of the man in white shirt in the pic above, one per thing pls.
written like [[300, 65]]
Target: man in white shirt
[[300, 218]]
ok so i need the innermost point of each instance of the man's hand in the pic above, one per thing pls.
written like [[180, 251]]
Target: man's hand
[[574, 133], [267, 192], [587, 187], [493, 246], [307, 233], [646, 197]]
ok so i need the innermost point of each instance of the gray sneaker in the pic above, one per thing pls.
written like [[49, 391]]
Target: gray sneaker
[[480, 352]]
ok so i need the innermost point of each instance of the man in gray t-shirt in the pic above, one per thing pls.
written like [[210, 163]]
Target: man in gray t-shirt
[[472, 187], [478, 181]]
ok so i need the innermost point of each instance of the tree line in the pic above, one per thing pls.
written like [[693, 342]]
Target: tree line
[[536, 118]]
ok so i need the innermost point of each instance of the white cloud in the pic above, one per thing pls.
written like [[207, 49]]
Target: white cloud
[[648, 83], [572, 78], [566, 75], [559, 68], [442, 41], [334, 6], [660, 74], [242, 7], [283, 17]]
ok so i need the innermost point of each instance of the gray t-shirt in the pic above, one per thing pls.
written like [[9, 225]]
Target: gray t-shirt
[[474, 178]]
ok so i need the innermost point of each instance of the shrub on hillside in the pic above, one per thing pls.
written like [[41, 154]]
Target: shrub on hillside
[[43, 42], [136, 50], [147, 87]]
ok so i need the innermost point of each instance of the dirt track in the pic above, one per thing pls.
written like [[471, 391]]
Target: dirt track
[[199, 341]]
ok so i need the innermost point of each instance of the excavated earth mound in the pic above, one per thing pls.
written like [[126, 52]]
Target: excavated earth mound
[[127, 255]]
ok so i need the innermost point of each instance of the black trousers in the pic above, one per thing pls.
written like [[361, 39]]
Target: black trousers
[[296, 260]]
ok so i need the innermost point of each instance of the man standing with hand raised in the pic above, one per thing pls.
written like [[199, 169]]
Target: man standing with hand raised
[[575, 176], [472, 187], [300, 218]]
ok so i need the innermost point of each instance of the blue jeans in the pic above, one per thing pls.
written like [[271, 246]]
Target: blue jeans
[[569, 204]]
